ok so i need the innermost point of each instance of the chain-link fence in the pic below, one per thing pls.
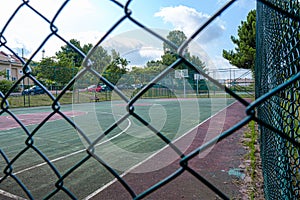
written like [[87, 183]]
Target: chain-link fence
[[276, 108], [277, 89]]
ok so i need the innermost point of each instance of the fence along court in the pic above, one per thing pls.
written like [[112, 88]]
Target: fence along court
[[275, 109]]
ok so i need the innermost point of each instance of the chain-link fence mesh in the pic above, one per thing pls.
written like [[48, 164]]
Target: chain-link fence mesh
[[277, 88], [277, 104]]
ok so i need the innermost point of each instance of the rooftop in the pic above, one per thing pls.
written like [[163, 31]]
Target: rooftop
[[9, 58]]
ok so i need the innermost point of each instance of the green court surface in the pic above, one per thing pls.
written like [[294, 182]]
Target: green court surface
[[127, 145]]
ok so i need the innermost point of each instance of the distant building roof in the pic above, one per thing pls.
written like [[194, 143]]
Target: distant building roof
[[9, 58], [240, 80]]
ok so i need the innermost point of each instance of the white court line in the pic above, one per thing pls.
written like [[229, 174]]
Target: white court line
[[57, 159], [19, 116], [74, 153], [114, 180], [12, 196], [130, 169]]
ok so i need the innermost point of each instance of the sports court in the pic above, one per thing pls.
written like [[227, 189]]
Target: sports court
[[124, 149], [149, 99]]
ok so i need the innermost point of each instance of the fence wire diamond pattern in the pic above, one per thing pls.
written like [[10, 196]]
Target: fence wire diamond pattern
[[276, 108]]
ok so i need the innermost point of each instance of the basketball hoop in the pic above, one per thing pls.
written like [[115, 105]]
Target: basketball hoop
[[181, 73]]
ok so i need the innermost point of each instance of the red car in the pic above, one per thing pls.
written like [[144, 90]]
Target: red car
[[94, 88]]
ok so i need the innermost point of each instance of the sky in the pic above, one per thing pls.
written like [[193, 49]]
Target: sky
[[88, 20]]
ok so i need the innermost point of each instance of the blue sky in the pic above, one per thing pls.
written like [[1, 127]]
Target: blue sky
[[88, 20]]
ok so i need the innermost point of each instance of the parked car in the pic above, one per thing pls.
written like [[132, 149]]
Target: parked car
[[105, 88], [125, 86], [33, 90], [94, 88]]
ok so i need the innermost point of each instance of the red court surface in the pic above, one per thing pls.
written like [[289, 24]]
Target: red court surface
[[7, 122], [225, 155]]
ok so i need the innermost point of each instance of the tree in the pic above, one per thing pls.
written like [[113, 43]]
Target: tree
[[61, 68], [44, 69], [110, 65], [5, 85], [154, 67], [100, 59], [116, 68], [176, 37], [243, 56], [71, 56], [51, 71]]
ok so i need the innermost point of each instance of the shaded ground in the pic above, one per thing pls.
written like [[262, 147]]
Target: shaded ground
[[225, 157], [252, 187]]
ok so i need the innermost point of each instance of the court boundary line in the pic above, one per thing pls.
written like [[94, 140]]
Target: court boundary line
[[10, 195], [2, 192], [13, 196], [74, 153], [55, 117], [135, 166]]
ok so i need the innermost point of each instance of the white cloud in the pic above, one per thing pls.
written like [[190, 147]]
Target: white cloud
[[54, 44], [189, 20], [136, 46], [181, 17], [19, 47], [27, 30], [150, 52], [85, 37]]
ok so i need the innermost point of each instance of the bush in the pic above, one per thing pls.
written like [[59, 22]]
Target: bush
[[5, 85]]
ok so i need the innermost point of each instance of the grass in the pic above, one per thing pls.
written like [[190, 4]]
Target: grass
[[252, 135], [44, 100], [84, 97], [250, 142]]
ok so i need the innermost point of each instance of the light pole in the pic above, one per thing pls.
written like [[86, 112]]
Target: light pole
[[43, 53]]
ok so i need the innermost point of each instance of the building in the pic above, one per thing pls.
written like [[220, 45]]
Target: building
[[13, 69], [11, 66]]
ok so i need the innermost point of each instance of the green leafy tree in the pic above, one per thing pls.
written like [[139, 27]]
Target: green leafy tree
[[100, 59], [44, 69], [176, 37], [110, 65], [243, 56], [71, 56], [154, 67], [52, 71], [116, 68], [5, 85], [61, 68], [2, 73]]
